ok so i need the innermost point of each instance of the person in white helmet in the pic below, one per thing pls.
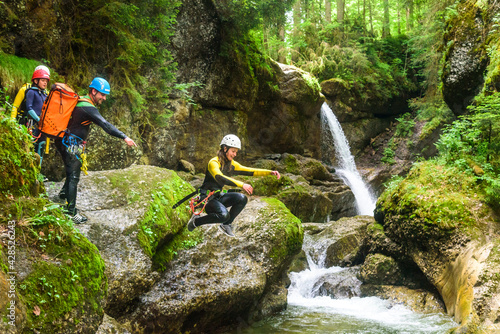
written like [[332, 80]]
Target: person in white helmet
[[219, 174]]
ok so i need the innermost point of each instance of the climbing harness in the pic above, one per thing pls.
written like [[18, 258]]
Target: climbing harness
[[196, 201], [76, 146]]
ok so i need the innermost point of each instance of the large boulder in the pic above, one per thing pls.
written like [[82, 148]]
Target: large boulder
[[152, 260], [439, 219], [130, 221], [338, 243], [224, 279], [310, 189]]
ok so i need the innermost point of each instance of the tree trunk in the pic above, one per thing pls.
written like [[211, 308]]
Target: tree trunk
[[386, 23], [282, 49], [371, 17], [328, 11], [364, 15], [340, 11], [296, 30], [399, 22], [409, 15]]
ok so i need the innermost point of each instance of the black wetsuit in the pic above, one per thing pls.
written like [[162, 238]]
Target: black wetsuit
[[83, 115]]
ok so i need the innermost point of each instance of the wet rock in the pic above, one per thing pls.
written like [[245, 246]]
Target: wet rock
[[420, 301], [339, 243], [379, 269], [342, 284], [111, 326]]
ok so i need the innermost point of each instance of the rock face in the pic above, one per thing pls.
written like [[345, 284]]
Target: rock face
[[308, 188], [466, 57], [163, 278], [339, 241], [445, 229]]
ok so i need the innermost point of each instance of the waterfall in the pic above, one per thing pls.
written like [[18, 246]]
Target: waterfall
[[365, 202]]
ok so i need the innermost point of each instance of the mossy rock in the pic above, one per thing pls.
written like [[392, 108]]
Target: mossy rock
[[60, 286], [379, 269], [19, 168], [307, 203]]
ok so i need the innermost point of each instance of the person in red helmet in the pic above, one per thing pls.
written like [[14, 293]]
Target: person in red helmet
[[19, 109], [35, 96]]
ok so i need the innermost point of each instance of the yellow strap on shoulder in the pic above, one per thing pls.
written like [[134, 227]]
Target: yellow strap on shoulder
[[47, 142]]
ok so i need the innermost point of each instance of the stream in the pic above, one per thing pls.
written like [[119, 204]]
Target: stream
[[309, 312]]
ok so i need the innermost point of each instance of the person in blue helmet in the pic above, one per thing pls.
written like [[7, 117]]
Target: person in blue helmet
[[84, 114]]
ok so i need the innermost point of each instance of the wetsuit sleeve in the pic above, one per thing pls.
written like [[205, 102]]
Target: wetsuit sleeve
[[97, 118], [242, 170], [223, 180], [17, 101], [30, 98]]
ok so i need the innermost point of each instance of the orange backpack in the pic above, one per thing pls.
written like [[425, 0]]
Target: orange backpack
[[57, 110]]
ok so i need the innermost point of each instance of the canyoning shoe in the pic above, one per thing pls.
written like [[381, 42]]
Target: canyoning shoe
[[79, 219], [191, 225], [227, 229]]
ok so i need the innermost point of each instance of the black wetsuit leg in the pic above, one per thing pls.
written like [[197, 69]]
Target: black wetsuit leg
[[217, 212], [72, 167]]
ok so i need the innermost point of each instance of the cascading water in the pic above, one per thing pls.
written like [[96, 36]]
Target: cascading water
[[365, 202], [311, 312]]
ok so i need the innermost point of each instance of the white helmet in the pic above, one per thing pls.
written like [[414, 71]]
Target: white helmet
[[231, 141], [42, 67]]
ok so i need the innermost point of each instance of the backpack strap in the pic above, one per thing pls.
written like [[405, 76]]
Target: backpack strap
[[84, 101]]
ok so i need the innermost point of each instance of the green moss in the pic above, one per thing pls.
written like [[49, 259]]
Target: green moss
[[182, 240], [268, 185], [15, 71], [434, 195], [65, 273], [291, 164], [19, 171], [161, 223], [280, 218]]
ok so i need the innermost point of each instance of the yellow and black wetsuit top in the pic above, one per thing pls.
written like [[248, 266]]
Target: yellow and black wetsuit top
[[216, 179]]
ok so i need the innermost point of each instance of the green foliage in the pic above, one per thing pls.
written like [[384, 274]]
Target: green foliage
[[405, 126], [184, 88], [15, 72], [248, 14], [472, 144]]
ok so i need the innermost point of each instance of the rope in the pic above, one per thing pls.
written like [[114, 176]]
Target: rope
[[85, 164], [196, 199]]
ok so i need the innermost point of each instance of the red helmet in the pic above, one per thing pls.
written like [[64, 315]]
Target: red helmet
[[40, 74]]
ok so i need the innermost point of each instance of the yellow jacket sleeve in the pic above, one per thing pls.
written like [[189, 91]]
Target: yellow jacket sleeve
[[214, 169], [236, 169], [18, 100], [242, 170]]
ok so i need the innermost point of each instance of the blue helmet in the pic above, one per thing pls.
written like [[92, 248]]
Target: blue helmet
[[101, 85]]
